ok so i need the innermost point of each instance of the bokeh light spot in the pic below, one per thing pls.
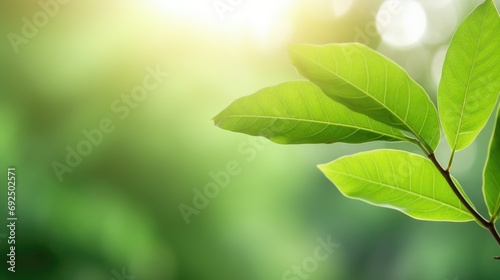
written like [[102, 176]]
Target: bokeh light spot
[[401, 23]]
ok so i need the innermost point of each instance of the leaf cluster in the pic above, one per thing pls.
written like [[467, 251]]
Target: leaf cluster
[[354, 94]]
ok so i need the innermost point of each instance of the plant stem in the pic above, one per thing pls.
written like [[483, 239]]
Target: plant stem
[[451, 160], [424, 146], [489, 225]]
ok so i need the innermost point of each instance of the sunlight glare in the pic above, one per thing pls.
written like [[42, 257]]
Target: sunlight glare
[[262, 21], [341, 7]]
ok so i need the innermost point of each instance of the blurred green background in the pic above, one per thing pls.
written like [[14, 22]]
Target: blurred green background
[[117, 213]]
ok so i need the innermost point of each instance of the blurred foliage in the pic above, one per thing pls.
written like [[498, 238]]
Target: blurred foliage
[[119, 208]]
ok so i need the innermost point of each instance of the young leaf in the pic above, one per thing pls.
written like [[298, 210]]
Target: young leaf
[[491, 182], [470, 81], [399, 180], [297, 113], [371, 84]]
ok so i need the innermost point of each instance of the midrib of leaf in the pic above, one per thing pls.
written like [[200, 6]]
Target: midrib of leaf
[[467, 88], [429, 150], [402, 190], [318, 122]]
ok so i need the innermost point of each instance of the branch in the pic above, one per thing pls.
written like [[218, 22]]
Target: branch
[[489, 225]]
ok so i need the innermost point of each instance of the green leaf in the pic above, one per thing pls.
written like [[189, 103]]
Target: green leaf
[[470, 81], [371, 84], [399, 180], [491, 176], [297, 113]]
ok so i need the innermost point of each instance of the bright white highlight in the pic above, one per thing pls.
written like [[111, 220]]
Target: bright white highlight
[[404, 28], [341, 7], [265, 22]]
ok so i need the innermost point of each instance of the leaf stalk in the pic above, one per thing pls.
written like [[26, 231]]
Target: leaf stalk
[[489, 225]]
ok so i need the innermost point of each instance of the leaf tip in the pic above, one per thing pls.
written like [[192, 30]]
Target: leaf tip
[[322, 167], [216, 120]]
